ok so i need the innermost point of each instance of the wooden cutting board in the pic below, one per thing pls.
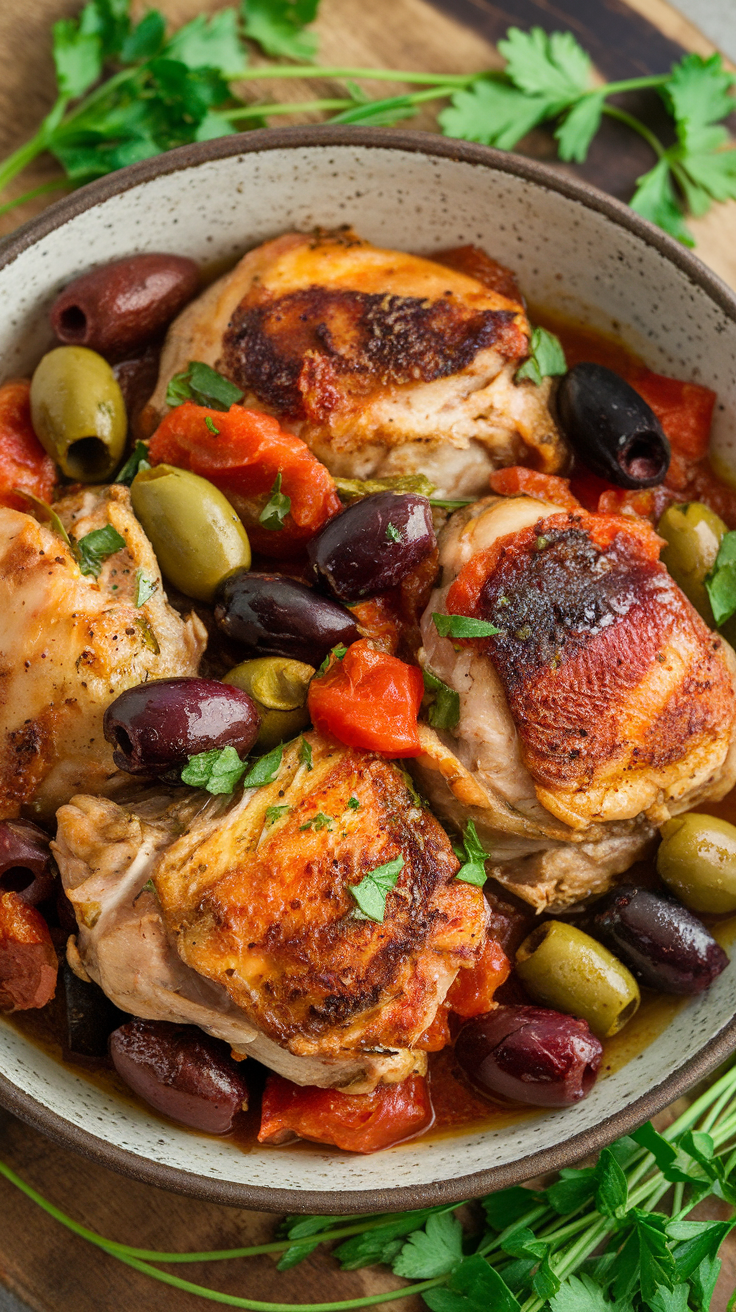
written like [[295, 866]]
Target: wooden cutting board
[[47, 1267]]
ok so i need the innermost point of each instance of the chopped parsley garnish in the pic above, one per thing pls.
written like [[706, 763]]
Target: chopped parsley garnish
[[393, 534], [463, 626], [305, 753], [144, 588], [546, 358], [444, 702], [318, 821], [211, 425], [274, 813], [473, 869], [94, 548], [276, 508], [138, 459], [265, 770], [221, 769], [721, 582], [371, 892], [337, 654], [203, 385], [353, 804]]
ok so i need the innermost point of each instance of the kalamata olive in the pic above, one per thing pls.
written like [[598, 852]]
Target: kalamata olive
[[693, 534], [25, 861], [279, 689], [122, 305], [90, 1019], [78, 413], [611, 428], [196, 535], [272, 615], [181, 1072], [529, 1054], [372, 545], [663, 943], [564, 968], [158, 725], [697, 861]]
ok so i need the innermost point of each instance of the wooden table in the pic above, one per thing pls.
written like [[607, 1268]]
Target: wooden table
[[45, 1265]]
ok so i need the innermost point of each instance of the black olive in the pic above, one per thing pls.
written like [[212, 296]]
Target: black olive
[[665, 945], [156, 726], [372, 545], [272, 615], [529, 1054], [611, 428]]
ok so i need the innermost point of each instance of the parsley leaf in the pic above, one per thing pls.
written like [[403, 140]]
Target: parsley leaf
[[382, 1244], [305, 753], [278, 27], [473, 870], [371, 892], [546, 358], [575, 1187], [138, 459], [720, 584], [94, 548], [353, 804], [144, 588], [266, 769], [210, 42], [274, 813], [203, 385], [463, 626], [474, 1286], [145, 39], [655, 200], [494, 113], [218, 770], [318, 821], [393, 533], [433, 1251], [336, 654], [552, 65], [77, 57], [276, 508], [444, 705], [612, 1194], [579, 1294], [579, 126]]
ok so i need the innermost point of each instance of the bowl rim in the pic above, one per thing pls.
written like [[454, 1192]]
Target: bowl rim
[[28, 1108]]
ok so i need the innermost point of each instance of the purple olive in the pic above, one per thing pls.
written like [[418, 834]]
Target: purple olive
[[611, 428], [663, 943], [157, 726], [25, 861], [121, 306], [372, 545], [272, 615], [90, 1018], [529, 1054], [181, 1072]]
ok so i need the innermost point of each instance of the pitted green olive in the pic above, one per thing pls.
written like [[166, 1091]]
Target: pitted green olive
[[78, 412], [193, 529], [697, 860], [279, 688], [693, 535], [566, 969]]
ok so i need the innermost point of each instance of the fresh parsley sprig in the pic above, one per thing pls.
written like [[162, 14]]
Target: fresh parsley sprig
[[473, 869], [202, 384], [221, 770], [276, 508], [721, 581], [373, 889]]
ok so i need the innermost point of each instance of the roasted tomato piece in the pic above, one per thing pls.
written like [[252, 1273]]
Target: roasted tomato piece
[[23, 461], [28, 963], [470, 994], [516, 480], [358, 1122], [685, 410], [370, 700], [243, 453]]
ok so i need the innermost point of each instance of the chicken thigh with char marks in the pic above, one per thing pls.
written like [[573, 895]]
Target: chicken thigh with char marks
[[384, 363], [236, 914], [70, 643], [602, 706]]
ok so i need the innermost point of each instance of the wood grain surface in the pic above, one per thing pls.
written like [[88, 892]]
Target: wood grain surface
[[50, 1269]]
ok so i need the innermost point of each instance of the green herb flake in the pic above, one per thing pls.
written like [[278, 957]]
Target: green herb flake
[[336, 654], [276, 508], [219, 770], [203, 385], [393, 534], [546, 358], [144, 588], [278, 26], [137, 460], [372, 891], [353, 804], [94, 548], [463, 626], [473, 869], [211, 425], [274, 813], [265, 770], [305, 753], [318, 821], [49, 513], [720, 584], [444, 702]]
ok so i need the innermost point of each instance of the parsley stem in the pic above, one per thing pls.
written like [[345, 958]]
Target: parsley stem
[[633, 84], [297, 107], [454, 80], [612, 111], [54, 185]]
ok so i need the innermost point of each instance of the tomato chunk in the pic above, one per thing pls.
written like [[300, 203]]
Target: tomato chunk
[[242, 452], [23, 461], [358, 1122], [685, 410], [370, 700], [471, 993], [547, 487], [28, 963]]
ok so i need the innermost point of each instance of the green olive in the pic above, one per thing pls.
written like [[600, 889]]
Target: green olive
[[78, 412], [566, 969], [693, 535], [193, 529], [697, 860], [279, 688]]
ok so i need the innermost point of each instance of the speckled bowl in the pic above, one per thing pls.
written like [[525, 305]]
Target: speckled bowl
[[575, 251]]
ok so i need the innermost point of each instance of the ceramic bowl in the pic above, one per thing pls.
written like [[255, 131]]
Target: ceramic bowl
[[575, 251]]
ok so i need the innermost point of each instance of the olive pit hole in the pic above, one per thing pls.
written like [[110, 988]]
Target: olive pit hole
[[16, 878], [629, 1010], [644, 458], [72, 324], [588, 1078], [88, 458], [122, 740]]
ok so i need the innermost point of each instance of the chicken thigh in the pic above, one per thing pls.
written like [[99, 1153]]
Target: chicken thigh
[[70, 642], [383, 362], [602, 706], [236, 914]]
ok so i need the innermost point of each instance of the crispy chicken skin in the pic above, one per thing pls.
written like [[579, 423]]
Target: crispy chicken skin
[[383, 362], [603, 706], [70, 643], [254, 898]]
